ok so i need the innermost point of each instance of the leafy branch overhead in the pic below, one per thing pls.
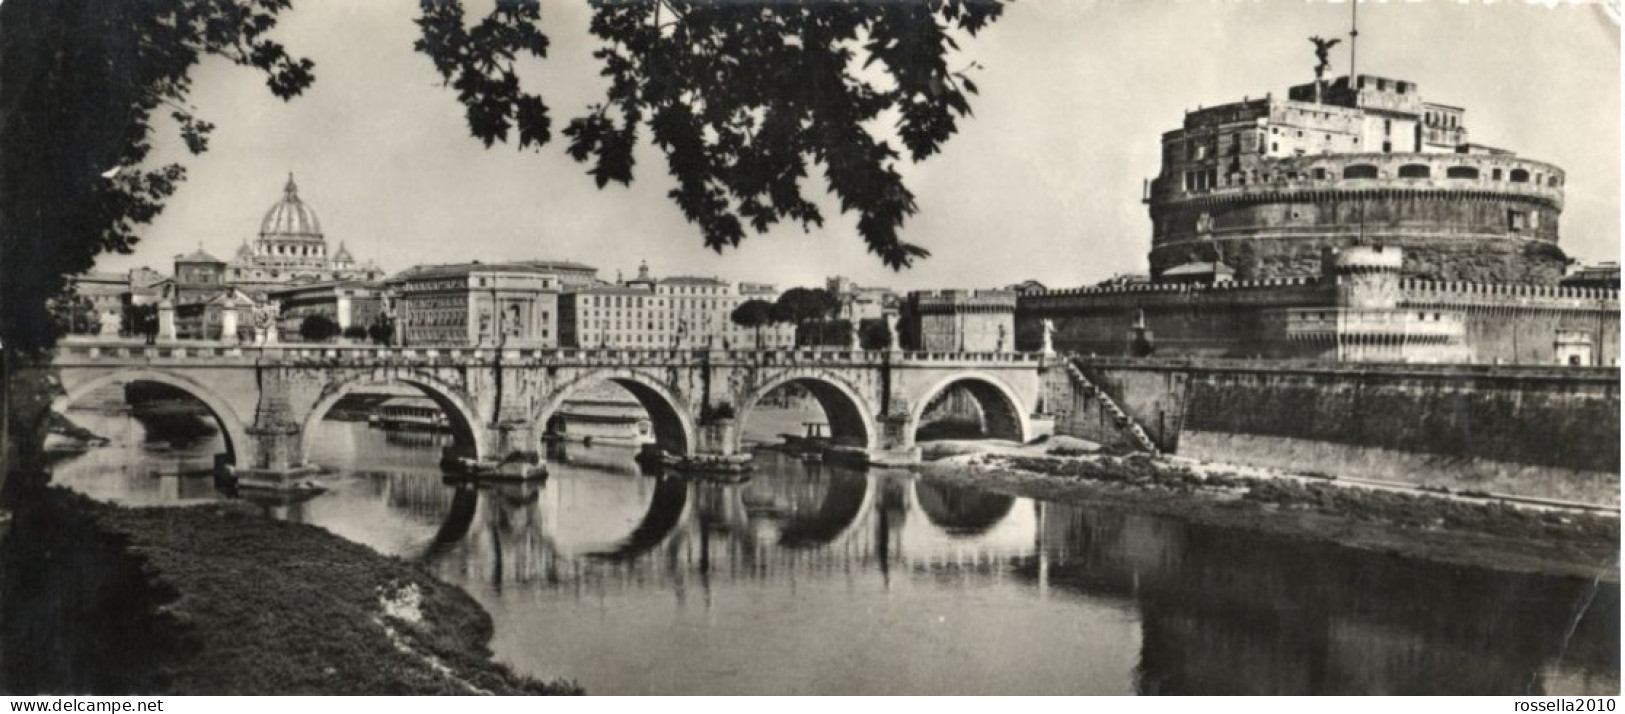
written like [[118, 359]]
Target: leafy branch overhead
[[746, 99]]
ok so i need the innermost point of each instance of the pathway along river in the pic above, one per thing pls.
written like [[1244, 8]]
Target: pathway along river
[[816, 579]]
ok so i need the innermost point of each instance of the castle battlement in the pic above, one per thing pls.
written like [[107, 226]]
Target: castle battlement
[[1417, 291], [1142, 288]]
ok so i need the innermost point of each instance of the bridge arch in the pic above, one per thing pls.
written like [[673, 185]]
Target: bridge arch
[[1006, 415], [674, 427], [465, 421], [232, 427], [851, 417]]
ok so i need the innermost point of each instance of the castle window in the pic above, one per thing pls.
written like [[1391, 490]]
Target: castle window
[[1387, 147], [1517, 220], [1415, 171], [1495, 174], [1360, 171], [1519, 176], [1320, 173], [1461, 172]]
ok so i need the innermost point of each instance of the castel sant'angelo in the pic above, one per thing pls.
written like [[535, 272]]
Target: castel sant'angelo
[[1352, 220]]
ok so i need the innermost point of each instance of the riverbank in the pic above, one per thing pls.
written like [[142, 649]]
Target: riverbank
[[1418, 526], [217, 599]]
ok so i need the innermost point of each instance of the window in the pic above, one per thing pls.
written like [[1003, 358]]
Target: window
[[1461, 172], [1519, 176], [1415, 171], [1517, 220], [1360, 171], [1495, 174]]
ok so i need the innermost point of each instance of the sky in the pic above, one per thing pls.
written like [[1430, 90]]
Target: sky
[[1043, 182]]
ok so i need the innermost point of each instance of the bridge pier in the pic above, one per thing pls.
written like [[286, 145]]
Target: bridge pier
[[716, 450], [897, 446], [271, 458]]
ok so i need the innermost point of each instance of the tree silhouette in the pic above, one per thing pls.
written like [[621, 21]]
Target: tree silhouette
[[754, 314], [318, 328], [744, 97]]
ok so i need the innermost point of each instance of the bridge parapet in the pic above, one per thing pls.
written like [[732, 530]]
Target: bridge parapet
[[80, 350]]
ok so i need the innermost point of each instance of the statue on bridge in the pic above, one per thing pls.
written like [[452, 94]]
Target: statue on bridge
[[1049, 337], [265, 323]]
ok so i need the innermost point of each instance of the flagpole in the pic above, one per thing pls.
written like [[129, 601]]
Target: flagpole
[[1354, 36]]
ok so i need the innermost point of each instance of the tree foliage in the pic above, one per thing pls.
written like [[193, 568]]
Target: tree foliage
[[754, 314], [318, 328], [80, 83], [804, 305], [381, 331], [74, 314], [746, 99]]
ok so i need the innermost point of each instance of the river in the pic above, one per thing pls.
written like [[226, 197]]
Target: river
[[811, 578]]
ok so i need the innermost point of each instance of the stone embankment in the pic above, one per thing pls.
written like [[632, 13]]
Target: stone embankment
[[1420, 525]]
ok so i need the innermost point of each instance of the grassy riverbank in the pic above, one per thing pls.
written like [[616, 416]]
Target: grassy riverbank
[[220, 600], [1419, 526]]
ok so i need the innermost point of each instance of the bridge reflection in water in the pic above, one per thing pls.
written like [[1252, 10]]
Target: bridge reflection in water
[[815, 578]]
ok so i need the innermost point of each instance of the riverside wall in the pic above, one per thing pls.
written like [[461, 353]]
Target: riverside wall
[[1538, 431]]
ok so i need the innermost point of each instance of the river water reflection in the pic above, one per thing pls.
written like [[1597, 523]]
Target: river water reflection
[[811, 578]]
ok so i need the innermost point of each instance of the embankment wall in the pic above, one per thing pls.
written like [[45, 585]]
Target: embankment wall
[[1550, 432]]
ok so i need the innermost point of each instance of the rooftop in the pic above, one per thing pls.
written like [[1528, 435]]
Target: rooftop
[[456, 270], [691, 280], [560, 265], [198, 256]]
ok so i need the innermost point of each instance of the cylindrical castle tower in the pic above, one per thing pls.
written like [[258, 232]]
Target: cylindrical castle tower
[[1267, 185]]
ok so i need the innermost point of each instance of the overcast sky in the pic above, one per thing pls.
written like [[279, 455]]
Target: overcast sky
[[1043, 182]]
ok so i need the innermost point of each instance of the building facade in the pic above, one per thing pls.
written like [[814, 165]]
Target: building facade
[[348, 304], [862, 303], [960, 321], [1266, 185], [497, 304], [682, 312]]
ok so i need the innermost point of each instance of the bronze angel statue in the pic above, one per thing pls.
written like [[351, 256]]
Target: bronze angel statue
[[1323, 48]]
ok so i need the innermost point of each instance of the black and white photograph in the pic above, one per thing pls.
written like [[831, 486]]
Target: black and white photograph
[[809, 347]]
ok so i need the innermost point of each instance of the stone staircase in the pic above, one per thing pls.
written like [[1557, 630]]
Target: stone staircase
[[1125, 423]]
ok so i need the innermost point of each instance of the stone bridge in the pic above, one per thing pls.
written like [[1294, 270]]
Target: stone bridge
[[498, 401]]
